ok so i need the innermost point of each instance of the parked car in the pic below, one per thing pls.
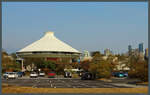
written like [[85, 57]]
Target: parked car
[[86, 76], [41, 74], [33, 75], [126, 74], [20, 74], [114, 74], [118, 74], [5, 75], [51, 75], [68, 75], [10, 75]]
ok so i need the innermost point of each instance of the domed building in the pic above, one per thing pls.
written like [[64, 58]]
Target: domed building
[[49, 48]]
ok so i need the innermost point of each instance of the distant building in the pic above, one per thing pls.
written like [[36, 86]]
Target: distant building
[[129, 49], [86, 56], [86, 53], [107, 52], [141, 54], [141, 47]]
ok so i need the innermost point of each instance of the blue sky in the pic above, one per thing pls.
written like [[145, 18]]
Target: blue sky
[[91, 26]]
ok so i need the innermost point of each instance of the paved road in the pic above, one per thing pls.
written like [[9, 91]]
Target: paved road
[[68, 83]]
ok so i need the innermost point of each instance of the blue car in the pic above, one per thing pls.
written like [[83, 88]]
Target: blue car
[[118, 74], [20, 74]]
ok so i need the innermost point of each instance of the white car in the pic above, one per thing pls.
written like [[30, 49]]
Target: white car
[[33, 75], [10, 75], [41, 74], [5, 75]]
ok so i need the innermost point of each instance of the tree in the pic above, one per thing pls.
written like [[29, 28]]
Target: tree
[[50, 64], [40, 64], [16, 66], [13, 55], [104, 70], [100, 67], [8, 64], [93, 68], [85, 65], [60, 68], [75, 65], [138, 68], [95, 53], [97, 57], [121, 57]]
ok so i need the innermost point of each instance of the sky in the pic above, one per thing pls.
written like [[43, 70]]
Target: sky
[[92, 26]]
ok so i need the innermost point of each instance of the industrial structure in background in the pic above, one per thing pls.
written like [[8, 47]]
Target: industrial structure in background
[[48, 48]]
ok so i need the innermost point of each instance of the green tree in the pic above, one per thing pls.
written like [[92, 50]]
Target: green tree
[[13, 55], [40, 64], [50, 64], [60, 68]]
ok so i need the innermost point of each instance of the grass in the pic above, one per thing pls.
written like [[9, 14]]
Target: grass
[[16, 89], [146, 83]]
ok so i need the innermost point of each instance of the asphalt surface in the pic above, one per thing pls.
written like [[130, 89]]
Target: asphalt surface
[[70, 83]]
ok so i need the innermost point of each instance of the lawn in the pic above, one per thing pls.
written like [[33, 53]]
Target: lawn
[[17, 89]]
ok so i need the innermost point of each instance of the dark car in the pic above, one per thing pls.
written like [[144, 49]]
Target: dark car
[[115, 74], [125, 74], [86, 76], [51, 75], [20, 74]]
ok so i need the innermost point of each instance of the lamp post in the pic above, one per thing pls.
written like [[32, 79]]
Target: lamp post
[[22, 68]]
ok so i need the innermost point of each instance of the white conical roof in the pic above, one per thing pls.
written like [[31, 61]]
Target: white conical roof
[[49, 43]]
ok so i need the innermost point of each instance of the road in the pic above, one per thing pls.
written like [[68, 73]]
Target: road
[[69, 83]]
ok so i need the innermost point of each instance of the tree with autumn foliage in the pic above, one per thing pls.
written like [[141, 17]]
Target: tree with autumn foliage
[[138, 68], [99, 67], [9, 64]]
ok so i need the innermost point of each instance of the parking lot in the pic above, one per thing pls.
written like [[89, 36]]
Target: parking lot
[[69, 83]]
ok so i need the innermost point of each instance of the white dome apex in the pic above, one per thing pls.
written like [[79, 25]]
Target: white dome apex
[[49, 33], [49, 43]]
